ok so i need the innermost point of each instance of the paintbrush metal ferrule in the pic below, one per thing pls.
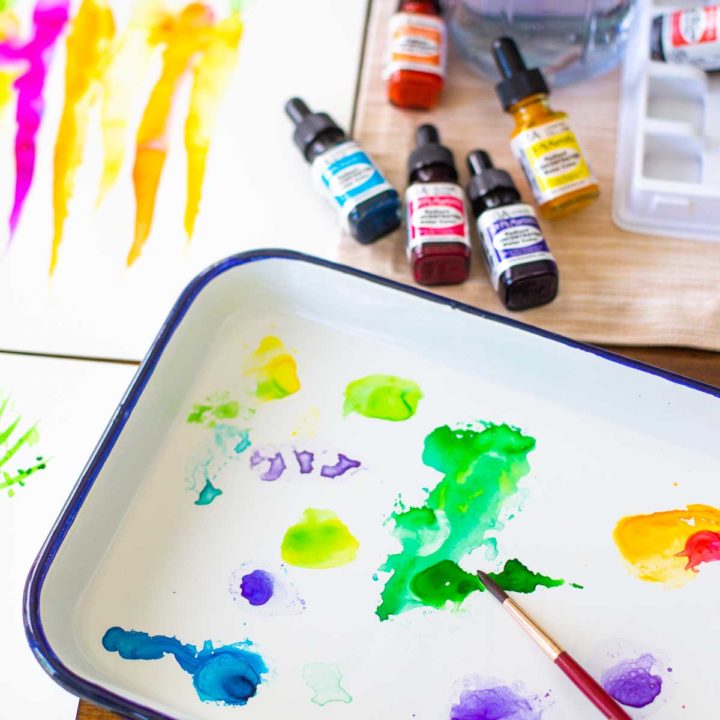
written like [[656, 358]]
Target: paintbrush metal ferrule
[[543, 640], [550, 648]]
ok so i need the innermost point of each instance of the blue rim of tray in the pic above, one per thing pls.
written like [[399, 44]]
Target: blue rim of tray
[[31, 601]]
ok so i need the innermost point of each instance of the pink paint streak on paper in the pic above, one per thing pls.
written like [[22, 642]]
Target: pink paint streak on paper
[[34, 56]]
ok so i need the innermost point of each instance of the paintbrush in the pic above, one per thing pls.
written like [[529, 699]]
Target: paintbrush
[[582, 680]]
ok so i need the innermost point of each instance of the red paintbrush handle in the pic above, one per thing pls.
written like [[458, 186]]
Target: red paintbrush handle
[[592, 690]]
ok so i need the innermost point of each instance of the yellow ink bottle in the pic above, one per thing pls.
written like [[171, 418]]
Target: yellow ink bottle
[[542, 140]]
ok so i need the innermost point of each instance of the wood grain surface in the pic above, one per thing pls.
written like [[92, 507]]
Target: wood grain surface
[[615, 287]]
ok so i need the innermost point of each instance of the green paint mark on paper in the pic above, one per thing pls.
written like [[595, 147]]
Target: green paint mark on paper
[[385, 397], [319, 541], [209, 413], [13, 441], [447, 582], [515, 577], [481, 469], [324, 679], [442, 583]]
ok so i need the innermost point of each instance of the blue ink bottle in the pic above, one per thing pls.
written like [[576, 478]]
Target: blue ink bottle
[[369, 207], [522, 269]]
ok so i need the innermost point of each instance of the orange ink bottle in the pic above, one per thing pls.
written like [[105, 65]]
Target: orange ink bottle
[[417, 50], [542, 140]]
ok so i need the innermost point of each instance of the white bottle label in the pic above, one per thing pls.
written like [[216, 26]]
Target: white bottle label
[[511, 236], [693, 36], [435, 213], [416, 42], [348, 177], [552, 160]]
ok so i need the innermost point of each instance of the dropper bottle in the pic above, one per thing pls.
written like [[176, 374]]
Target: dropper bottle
[[368, 206], [522, 269], [438, 240], [542, 140], [416, 54]]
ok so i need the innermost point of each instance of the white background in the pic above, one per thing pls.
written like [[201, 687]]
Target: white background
[[71, 402]]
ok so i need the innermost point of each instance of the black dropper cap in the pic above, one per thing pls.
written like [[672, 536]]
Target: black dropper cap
[[485, 177], [517, 81], [428, 152], [309, 126]]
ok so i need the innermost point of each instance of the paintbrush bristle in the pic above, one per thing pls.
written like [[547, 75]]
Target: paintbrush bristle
[[492, 587]]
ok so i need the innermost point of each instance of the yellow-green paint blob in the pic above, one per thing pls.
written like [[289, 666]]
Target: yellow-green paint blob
[[319, 541], [385, 397], [275, 370]]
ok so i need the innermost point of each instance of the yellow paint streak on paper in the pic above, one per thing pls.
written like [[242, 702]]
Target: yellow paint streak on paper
[[120, 86], [652, 544], [9, 28], [89, 49], [188, 35], [211, 77], [275, 370]]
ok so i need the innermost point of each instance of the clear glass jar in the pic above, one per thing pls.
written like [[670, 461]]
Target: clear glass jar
[[570, 40]]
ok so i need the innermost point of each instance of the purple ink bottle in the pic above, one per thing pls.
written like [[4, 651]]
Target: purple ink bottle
[[522, 269]]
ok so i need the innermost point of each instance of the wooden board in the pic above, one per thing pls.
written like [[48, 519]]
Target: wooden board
[[616, 287]]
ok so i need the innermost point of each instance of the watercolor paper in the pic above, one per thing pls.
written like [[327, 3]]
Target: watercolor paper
[[149, 141], [53, 412]]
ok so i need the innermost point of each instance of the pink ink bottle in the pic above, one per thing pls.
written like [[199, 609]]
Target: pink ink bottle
[[438, 238]]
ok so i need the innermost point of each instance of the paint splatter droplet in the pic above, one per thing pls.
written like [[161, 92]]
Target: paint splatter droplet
[[226, 444], [496, 702], [632, 682], [319, 541], [481, 470], [276, 465], [208, 494], [384, 397], [273, 464], [264, 590], [660, 547], [274, 369], [228, 674], [257, 587], [324, 679], [343, 464], [305, 460]]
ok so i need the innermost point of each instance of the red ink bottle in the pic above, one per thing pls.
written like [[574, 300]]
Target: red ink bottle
[[438, 238], [417, 50], [522, 269], [688, 37]]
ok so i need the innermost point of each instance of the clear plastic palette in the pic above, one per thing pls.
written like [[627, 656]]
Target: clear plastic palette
[[667, 178]]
